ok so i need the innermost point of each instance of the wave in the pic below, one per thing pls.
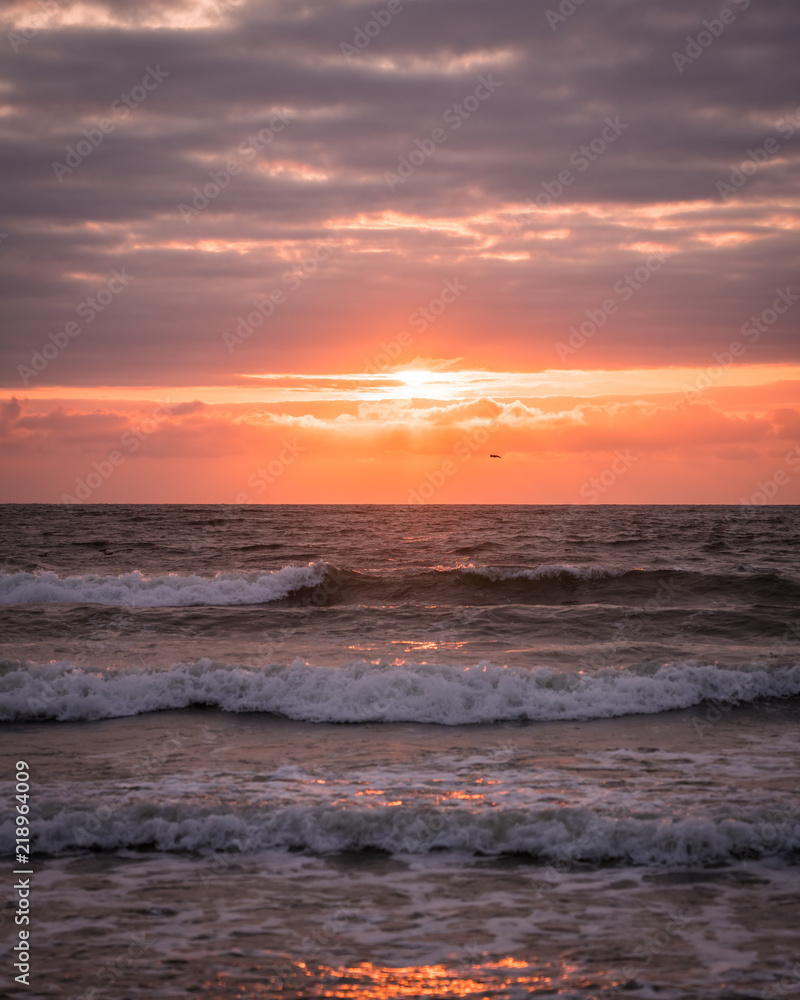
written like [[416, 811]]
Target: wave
[[172, 590], [463, 584], [655, 588], [369, 692], [571, 834], [550, 571]]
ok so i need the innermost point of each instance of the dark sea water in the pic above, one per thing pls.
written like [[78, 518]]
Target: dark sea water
[[377, 752]]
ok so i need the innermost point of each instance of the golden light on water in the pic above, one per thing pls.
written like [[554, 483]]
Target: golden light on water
[[496, 978], [374, 982]]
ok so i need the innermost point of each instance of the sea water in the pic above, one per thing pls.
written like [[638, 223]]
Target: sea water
[[375, 751]]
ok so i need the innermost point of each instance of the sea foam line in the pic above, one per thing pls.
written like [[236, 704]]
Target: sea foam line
[[369, 692], [579, 833], [170, 590]]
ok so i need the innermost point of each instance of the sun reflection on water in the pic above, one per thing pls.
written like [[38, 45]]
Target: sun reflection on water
[[500, 979]]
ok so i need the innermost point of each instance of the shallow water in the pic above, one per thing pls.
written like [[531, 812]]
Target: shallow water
[[384, 752]]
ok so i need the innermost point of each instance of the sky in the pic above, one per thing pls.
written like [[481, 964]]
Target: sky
[[276, 251]]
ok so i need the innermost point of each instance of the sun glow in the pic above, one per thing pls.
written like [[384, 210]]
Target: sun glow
[[416, 376]]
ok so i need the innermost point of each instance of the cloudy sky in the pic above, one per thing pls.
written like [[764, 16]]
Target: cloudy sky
[[333, 251]]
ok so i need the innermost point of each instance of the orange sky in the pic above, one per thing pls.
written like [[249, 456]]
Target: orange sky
[[340, 277], [686, 438]]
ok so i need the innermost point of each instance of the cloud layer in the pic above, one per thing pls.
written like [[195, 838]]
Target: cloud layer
[[581, 217], [721, 446], [567, 152]]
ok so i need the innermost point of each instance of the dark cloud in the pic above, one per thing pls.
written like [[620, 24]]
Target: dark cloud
[[232, 66]]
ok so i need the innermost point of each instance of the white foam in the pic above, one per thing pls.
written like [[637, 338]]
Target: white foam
[[370, 692], [548, 571], [572, 834], [172, 590]]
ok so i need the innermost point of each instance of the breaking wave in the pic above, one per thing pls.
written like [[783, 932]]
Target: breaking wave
[[465, 584], [382, 692], [172, 590]]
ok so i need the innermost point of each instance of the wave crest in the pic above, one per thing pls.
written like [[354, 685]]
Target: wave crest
[[583, 832], [550, 583], [171, 590], [367, 692]]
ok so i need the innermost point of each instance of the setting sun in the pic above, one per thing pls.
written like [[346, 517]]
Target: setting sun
[[415, 377]]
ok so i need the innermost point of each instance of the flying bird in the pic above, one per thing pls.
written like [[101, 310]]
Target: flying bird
[[495, 456]]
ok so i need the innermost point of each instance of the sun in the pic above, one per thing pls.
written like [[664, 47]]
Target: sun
[[432, 383], [416, 376]]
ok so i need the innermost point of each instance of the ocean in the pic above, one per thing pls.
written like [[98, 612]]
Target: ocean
[[401, 751]]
